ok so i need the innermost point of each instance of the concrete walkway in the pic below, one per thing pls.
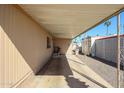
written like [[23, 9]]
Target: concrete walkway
[[105, 69], [87, 72], [66, 72]]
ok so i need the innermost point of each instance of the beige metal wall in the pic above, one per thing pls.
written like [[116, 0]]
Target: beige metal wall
[[106, 49], [86, 46], [64, 44], [23, 47]]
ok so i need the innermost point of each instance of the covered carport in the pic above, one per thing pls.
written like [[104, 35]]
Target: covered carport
[[61, 23]]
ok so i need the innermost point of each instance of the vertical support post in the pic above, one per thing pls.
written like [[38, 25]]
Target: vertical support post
[[118, 50], [85, 46]]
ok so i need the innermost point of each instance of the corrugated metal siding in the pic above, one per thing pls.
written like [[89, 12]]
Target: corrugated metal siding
[[103, 47], [22, 46], [122, 50], [86, 46], [107, 48], [13, 66], [100, 49]]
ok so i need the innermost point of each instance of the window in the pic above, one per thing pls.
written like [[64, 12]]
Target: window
[[48, 43]]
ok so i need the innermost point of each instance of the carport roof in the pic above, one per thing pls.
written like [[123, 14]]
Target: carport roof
[[69, 20]]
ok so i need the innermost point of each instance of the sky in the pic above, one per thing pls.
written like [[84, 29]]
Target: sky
[[101, 29]]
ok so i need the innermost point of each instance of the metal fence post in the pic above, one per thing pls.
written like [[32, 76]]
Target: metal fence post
[[118, 50]]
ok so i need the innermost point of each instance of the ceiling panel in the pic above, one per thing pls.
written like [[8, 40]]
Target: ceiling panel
[[69, 20]]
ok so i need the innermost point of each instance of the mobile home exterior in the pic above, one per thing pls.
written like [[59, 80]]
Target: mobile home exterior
[[88, 45], [29, 33], [103, 47], [106, 48]]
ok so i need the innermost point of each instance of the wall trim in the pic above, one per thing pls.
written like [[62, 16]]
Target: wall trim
[[22, 79]]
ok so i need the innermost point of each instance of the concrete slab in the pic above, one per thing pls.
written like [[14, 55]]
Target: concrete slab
[[65, 72]]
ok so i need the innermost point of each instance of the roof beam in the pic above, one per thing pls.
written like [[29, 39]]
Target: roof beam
[[105, 19]]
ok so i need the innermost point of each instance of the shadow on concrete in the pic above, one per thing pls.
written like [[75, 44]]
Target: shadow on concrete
[[56, 66], [75, 83], [60, 67], [101, 66], [27, 42], [113, 64], [76, 61], [89, 78]]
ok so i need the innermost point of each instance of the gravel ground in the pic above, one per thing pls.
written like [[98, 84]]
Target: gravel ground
[[107, 70]]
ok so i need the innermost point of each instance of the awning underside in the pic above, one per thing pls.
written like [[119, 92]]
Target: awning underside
[[67, 21]]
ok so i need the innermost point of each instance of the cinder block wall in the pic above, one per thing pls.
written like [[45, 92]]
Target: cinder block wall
[[23, 46]]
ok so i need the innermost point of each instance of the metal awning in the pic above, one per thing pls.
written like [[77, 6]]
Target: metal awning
[[69, 20]]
